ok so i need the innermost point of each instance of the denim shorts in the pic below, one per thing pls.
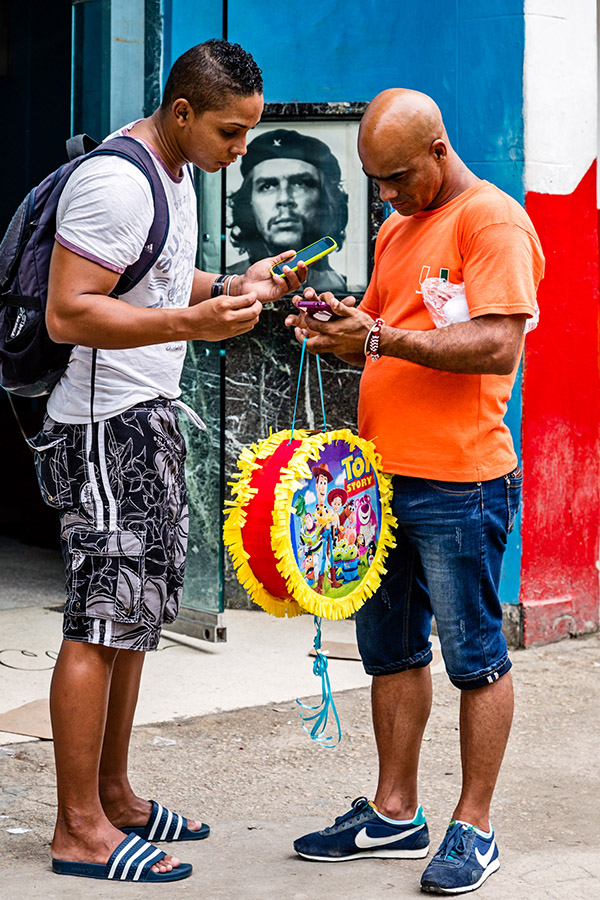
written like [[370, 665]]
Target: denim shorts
[[451, 538], [119, 487]]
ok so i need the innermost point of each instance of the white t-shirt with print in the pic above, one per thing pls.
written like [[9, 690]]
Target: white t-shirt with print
[[104, 214]]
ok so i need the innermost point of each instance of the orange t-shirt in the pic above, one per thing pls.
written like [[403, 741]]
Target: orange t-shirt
[[426, 422]]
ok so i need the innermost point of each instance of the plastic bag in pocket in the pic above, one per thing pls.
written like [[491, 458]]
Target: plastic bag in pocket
[[447, 303]]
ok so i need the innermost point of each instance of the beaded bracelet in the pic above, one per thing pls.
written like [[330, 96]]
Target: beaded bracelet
[[372, 340]]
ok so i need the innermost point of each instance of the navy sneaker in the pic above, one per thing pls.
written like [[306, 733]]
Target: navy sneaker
[[361, 832], [463, 862]]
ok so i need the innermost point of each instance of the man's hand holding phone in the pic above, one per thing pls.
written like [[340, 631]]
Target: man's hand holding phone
[[260, 278], [343, 333], [274, 277]]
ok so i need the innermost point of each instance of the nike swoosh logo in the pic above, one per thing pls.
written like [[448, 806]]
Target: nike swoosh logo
[[485, 859], [364, 840]]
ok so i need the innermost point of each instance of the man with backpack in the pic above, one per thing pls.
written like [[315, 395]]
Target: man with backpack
[[110, 456]]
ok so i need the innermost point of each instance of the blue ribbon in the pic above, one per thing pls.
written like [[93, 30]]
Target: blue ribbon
[[302, 355], [315, 724], [321, 391], [321, 712]]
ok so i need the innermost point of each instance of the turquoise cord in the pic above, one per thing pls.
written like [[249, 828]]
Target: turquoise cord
[[327, 705], [302, 355], [321, 392], [298, 386], [320, 716]]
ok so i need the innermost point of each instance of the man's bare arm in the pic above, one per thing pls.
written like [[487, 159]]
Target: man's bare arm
[[201, 286], [353, 359], [488, 344], [80, 311], [485, 345]]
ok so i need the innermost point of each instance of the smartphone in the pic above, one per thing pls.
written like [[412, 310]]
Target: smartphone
[[317, 308], [308, 256]]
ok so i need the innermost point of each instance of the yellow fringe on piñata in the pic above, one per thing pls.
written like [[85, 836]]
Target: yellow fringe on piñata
[[236, 519], [301, 597]]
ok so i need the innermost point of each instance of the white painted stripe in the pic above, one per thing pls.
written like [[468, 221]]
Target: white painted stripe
[[559, 94], [145, 862], [92, 480], [133, 839], [112, 503], [157, 817], [167, 825], [180, 825]]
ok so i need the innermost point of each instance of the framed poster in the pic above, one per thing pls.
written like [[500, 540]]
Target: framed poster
[[300, 180]]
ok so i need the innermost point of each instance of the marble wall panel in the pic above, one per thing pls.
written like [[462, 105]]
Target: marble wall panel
[[260, 387], [258, 392], [202, 389]]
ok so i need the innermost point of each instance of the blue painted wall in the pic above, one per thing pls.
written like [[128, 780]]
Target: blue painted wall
[[189, 22], [466, 54]]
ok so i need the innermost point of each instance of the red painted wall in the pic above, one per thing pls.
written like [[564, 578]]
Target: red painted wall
[[561, 423]]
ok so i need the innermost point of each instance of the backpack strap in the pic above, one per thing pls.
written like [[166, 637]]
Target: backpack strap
[[132, 150], [16, 415], [80, 145], [20, 301]]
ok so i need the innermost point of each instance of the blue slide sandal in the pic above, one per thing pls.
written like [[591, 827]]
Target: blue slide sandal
[[164, 825], [131, 861]]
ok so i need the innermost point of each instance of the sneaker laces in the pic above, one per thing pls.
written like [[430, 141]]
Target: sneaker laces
[[358, 806], [454, 844]]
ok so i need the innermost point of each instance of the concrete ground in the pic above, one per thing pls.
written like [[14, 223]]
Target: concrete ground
[[219, 739]]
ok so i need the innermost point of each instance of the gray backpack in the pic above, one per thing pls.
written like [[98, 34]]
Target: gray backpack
[[30, 362]]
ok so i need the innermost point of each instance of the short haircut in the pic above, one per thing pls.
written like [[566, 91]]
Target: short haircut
[[205, 74], [286, 144]]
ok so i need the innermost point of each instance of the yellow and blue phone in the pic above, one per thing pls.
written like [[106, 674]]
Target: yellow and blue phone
[[309, 255]]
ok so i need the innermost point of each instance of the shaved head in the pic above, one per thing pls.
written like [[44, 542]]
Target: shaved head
[[404, 148], [402, 116]]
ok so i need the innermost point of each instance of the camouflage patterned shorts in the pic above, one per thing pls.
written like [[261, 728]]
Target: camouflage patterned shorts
[[120, 490]]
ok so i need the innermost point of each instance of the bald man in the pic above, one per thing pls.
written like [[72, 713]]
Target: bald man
[[433, 401]]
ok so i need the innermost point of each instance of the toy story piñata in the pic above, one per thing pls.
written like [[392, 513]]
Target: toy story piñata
[[310, 525]]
